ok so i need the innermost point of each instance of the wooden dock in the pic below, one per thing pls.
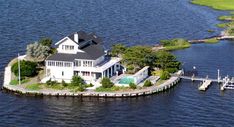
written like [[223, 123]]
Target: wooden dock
[[226, 82], [205, 85]]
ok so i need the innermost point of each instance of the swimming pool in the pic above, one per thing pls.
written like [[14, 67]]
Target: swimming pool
[[126, 80]]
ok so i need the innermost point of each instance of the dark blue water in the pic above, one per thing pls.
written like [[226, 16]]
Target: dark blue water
[[130, 22]]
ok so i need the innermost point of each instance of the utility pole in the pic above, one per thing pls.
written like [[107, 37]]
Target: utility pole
[[218, 76], [19, 69]]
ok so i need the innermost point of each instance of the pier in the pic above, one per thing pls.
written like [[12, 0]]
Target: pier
[[205, 85], [226, 82]]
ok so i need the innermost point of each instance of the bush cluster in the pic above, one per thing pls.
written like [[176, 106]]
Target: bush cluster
[[165, 75], [147, 83], [79, 82], [27, 69], [106, 83], [132, 85], [51, 83]]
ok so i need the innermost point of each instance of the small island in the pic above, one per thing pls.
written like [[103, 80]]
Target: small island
[[225, 5], [79, 66]]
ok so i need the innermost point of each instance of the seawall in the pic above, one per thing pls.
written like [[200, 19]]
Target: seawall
[[142, 92]]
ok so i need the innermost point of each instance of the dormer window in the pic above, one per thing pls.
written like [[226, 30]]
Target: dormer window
[[67, 47]]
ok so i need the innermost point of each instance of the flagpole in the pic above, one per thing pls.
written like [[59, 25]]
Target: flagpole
[[19, 69]]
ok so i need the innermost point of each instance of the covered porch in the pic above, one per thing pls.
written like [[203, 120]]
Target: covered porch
[[108, 68]]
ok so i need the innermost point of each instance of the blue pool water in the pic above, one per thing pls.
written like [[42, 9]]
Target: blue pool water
[[126, 80]]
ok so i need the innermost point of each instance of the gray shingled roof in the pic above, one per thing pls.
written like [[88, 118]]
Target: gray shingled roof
[[85, 37], [91, 46]]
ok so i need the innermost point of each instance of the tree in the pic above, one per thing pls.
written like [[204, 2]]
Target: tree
[[166, 60], [27, 69], [137, 56], [37, 52], [46, 42], [147, 83], [132, 85], [106, 83], [165, 75], [118, 50]]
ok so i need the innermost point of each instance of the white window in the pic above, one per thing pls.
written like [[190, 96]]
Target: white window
[[77, 63], [67, 64], [59, 64], [67, 47], [87, 63]]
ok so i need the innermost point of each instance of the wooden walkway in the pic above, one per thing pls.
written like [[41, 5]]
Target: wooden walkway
[[200, 79]]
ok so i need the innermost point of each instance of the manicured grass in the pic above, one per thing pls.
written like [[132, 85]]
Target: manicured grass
[[112, 89], [56, 86], [175, 44], [216, 4], [16, 82], [211, 41], [33, 87]]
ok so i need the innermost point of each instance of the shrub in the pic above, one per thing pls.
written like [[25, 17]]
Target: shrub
[[77, 81], [50, 82], [148, 83], [171, 70], [81, 89], [132, 85], [89, 85], [165, 75], [106, 83], [27, 69], [130, 67], [64, 84]]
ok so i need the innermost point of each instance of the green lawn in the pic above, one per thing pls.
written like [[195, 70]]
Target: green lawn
[[16, 81], [33, 87], [216, 4]]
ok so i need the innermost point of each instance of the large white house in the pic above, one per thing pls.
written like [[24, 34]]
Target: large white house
[[81, 54]]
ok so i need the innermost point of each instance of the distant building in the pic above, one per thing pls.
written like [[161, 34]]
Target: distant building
[[81, 54]]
